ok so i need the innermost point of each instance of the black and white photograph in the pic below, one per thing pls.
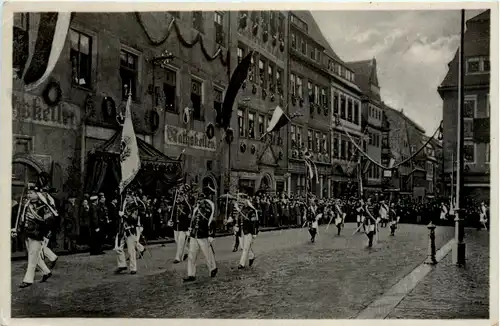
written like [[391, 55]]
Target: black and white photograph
[[244, 161]]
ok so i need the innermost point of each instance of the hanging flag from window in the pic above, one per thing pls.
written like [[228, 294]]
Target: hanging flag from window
[[129, 152], [223, 117], [47, 35]]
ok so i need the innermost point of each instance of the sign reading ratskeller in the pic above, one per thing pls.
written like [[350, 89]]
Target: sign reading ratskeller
[[31, 108], [190, 138]]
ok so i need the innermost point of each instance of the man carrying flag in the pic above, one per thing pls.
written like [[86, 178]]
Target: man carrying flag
[[130, 165]]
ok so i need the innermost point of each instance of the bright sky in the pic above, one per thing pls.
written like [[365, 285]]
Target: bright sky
[[412, 49]]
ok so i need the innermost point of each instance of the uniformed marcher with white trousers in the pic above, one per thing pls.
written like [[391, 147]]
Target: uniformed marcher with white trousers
[[248, 222], [339, 220], [393, 219], [127, 235], [370, 223], [34, 220], [180, 223], [202, 233], [312, 219]]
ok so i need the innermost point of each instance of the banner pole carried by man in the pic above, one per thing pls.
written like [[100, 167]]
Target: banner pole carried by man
[[130, 164]]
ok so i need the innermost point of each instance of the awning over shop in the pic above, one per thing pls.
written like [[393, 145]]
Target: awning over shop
[[157, 169]]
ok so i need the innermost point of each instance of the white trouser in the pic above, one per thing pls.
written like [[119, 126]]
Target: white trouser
[[138, 245], [194, 247], [49, 254], [34, 248], [180, 239], [246, 244], [131, 241]]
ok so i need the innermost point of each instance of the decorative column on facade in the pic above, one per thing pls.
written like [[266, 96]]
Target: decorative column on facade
[[320, 186], [289, 184], [329, 187]]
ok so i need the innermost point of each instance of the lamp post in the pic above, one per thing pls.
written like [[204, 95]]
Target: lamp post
[[459, 248]]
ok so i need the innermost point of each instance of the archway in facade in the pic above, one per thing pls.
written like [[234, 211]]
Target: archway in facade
[[266, 184]]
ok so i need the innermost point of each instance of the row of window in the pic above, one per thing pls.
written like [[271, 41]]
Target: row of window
[[252, 125], [348, 108], [316, 94], [272, 21], [470, 113], [339, 70], [81, 61], [375, 112], [316, 141], [310, 49], [198, 23], [270, 76], [343, 149], [374, 172]]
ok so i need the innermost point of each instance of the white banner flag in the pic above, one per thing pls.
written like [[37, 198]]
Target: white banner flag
[[129, 152]]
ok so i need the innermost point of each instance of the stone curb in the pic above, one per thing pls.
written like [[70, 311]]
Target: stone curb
[[385, 304]]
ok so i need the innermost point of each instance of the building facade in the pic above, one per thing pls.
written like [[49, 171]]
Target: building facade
[[109, 55], [259, 164], [371, 123], [476, 110]]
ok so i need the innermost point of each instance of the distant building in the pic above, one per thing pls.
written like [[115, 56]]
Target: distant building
[[372, 122], [476, 110]]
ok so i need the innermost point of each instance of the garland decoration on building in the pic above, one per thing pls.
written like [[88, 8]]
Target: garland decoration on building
[[184, 42], [396, 165]]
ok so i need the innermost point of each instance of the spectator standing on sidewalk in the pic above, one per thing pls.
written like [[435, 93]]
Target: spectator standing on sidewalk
[[70, 224]]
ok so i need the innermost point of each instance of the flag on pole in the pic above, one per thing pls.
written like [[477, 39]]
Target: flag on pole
[[238, 77], [129, 154], [278, 120], [47, 36]]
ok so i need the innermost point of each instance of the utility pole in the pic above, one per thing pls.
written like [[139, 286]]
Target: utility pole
[[459, 248]]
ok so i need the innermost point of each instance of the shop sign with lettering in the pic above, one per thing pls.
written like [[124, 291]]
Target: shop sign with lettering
[[31, 108], [189, 138]]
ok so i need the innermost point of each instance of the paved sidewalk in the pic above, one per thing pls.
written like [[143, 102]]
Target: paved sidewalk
[[449, 292]]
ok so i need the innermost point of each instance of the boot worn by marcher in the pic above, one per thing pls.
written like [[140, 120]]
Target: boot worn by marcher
[[189, 279], [45, 277], [120, 269]]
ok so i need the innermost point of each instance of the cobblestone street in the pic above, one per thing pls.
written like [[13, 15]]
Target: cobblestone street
[[336, 277]]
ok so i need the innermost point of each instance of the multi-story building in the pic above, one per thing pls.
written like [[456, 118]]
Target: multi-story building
[[106, 57], [417, 177], [371, 122], [476, 150], [260, 164], [310, 96]]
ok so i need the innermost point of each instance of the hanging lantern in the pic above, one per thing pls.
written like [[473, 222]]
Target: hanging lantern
[[229, 136]]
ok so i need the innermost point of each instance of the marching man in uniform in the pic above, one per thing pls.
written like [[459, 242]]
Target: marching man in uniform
[[202, 232], [127, 234], [34, 222], [179, 221], [339, 220], [370, 223], [359, 214], [393, 219], [248, 221], [312, 219]]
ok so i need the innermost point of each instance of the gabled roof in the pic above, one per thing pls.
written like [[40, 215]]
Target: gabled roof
[[399, 113], [366, 75], [476, 43], [315, 33]]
